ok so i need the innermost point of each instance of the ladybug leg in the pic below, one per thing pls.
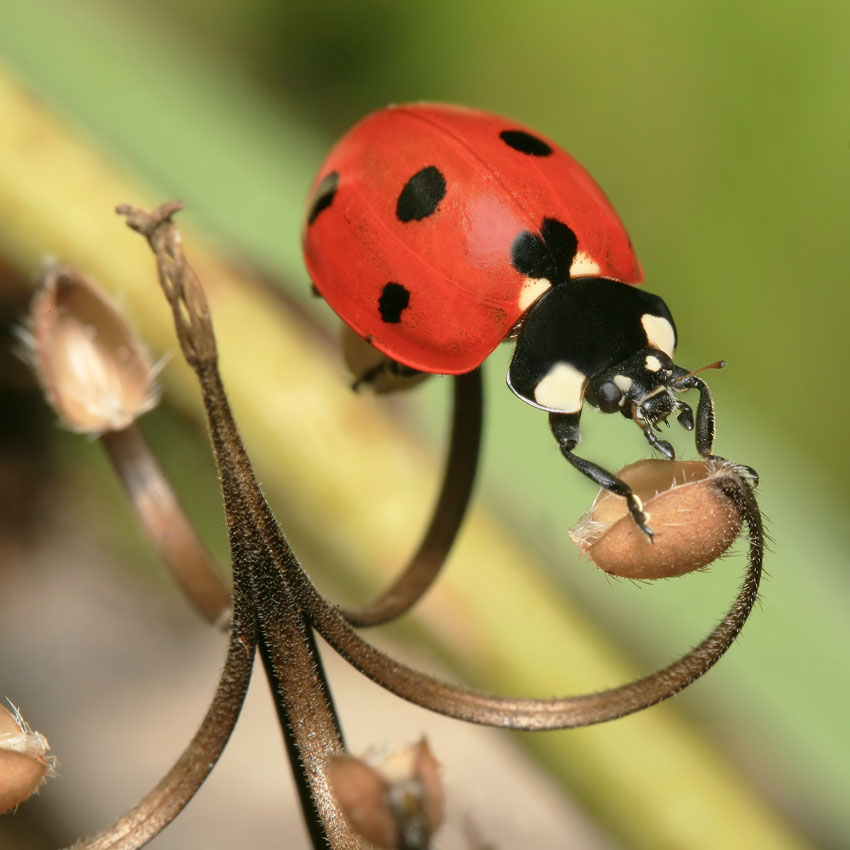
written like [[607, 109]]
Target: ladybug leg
[[369, 376], [658, 444], [686, 416], [565, 428], [749, 472], [704, 437], [386, 366], [705, 418]]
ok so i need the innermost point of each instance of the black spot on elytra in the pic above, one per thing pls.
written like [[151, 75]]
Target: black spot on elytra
[[525, 143], [421, 195], [547, 255], [394, 299], [324, 195]]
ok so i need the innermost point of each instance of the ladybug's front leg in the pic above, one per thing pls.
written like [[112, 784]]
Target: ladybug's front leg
[[685, 380], [565, 428], [704, 437], [661, 446]]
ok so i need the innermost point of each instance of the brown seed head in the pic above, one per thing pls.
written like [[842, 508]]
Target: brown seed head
[[24, 760], [693, 521], [398, 803], [94, 370]]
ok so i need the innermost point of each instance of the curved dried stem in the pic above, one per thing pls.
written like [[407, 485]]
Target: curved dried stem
[[166, 525], [449, 511], [302, 697], [556, 713], [179, 282], [167, 799]]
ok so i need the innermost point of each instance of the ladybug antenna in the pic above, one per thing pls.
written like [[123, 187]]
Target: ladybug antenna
[[718, 364]]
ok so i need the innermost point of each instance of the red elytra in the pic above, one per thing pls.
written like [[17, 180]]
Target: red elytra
[[412, 219]]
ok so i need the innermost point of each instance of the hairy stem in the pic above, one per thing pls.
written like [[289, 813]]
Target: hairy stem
[[302, 697], [195, 334], [556, 713]]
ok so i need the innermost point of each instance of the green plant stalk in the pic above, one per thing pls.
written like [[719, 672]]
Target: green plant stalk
[[56, 195]]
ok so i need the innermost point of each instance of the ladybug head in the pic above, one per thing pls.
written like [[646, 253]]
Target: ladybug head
[[611, 345], [641, 388]]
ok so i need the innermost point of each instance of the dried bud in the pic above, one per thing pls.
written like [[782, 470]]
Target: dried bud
[[692, 519], [92, 367], [24, 760], [396, 804]]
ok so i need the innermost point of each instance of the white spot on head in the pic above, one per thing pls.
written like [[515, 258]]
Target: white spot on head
[[583, 266], [562, 389], [623, 383], [659, 333], [652, 363], [532, 289]]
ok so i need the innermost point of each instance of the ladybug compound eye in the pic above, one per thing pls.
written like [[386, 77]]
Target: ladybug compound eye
[[608, 397]]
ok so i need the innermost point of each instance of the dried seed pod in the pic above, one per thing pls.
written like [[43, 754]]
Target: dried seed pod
[[692, 519], [24, 760], [94, 370], [396, 804]]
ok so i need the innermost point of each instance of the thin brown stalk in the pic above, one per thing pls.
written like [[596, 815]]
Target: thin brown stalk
[[477, 706], [171, 794], [305, 709], [302, 697], [461, 465], [166, 525]]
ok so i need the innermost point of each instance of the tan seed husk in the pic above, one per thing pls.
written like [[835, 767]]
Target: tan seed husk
[[693, 522], [93, 368], [24, 760]]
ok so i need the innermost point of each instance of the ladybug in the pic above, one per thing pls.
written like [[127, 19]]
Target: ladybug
[[436, 232]]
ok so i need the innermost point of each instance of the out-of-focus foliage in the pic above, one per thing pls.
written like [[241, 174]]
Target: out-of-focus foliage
[[720, 132]]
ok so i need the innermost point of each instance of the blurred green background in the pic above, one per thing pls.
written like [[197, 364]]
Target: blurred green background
[[720, 131]]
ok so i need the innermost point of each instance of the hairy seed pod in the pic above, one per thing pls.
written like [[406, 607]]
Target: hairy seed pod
[[24, 760], [93, 368], [396, 804], [692, 520]]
